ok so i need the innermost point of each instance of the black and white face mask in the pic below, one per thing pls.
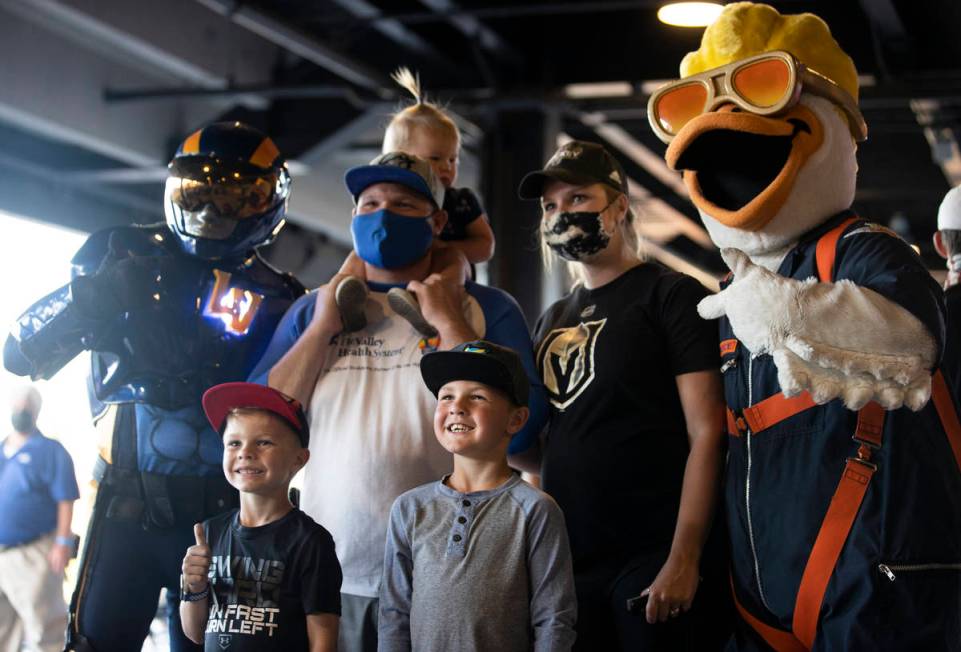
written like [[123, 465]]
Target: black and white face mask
[[576, 236]]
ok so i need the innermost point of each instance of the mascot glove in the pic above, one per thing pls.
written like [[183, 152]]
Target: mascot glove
[[834, 340], [125, 281]]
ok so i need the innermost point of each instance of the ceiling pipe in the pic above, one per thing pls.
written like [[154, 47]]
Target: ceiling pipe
[[304, 46]]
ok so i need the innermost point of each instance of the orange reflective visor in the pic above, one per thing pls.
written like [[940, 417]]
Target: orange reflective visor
[[766, 84]]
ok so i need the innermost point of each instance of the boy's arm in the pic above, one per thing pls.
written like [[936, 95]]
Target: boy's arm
[[196, 565], [322, 632], [478, 246], [320, 580], [396, 587], [193, 618], [553, 602]]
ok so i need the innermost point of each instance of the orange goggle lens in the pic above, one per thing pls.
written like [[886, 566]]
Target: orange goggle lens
[[234, 198], [678, 106], [763, 83]]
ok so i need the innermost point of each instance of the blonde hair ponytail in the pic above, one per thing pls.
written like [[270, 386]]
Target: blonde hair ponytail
[[409, 81], [423, 114]]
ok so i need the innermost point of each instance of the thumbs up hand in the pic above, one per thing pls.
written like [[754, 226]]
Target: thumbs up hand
[[197, 562]]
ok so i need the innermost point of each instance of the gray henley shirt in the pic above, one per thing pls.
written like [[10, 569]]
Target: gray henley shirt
[[488, 571]]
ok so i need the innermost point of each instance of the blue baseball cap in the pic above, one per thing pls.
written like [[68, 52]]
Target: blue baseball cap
[[397, 167]]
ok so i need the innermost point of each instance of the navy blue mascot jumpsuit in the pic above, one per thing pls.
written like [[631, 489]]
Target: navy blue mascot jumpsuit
[[845, 525]]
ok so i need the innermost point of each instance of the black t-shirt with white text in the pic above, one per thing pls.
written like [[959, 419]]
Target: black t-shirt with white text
[[617, 440], [265, 580]]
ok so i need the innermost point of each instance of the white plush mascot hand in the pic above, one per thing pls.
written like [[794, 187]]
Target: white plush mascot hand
[[834, 340]]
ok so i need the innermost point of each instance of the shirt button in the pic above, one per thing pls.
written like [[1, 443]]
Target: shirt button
[[456, 538], [466, 503], [461, 520]]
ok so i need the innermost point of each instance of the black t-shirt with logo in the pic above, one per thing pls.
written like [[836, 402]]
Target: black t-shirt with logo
[[617, 441], [463, 207], [266, 579]]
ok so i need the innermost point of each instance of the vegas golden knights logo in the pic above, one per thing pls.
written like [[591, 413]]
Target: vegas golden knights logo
[[566, 361]]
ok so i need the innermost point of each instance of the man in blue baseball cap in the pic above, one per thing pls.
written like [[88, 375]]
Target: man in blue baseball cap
[[370, 414]]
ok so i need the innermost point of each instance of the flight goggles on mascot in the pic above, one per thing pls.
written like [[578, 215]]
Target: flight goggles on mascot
[[765, 84]]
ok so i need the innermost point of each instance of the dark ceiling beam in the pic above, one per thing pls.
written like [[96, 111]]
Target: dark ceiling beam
[[345, 135], [885, 17], [59, 54], [292, 39], [150, 37], [889, 35], [272, 91], [471, 27], [392, 29]]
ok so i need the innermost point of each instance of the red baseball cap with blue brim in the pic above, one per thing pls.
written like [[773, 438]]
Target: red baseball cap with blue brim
[[219, 400], [397, 167]]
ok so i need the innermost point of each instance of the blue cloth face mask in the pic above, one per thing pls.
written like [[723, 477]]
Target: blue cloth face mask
[[389, 240]]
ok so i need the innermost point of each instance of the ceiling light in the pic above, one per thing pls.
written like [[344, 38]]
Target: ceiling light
[[599, 89], [689, 14]]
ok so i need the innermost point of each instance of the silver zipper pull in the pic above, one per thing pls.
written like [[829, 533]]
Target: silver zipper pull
[[887, 571]]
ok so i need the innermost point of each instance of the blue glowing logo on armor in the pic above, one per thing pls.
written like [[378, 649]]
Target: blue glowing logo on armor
[[231, 305]]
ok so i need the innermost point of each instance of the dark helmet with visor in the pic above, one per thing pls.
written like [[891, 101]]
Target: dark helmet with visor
[[226, 192]]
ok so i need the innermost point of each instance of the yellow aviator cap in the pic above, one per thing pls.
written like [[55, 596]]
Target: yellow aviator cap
[[745, 29]]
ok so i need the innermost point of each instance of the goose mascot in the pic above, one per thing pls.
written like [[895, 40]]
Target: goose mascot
[[843, 489]]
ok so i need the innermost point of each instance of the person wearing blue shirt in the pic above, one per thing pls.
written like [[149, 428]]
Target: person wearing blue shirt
[[370, 414], [37, 490]]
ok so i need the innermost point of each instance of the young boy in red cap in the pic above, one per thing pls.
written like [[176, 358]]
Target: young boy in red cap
[[265, 576]]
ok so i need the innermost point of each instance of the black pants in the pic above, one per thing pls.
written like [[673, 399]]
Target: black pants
[[603, 622]]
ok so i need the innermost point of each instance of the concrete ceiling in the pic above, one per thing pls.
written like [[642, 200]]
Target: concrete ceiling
[[96, 94]]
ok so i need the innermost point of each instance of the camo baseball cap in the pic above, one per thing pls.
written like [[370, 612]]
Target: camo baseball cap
[[397, 167], [577, 162]]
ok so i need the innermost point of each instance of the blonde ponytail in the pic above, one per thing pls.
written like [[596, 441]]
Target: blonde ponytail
[[423, 114], [409, 81]]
